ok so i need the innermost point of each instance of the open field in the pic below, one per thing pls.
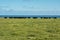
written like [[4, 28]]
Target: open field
[[29, 29]]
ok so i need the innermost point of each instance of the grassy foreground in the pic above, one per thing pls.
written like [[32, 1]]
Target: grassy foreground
[[29, 29]]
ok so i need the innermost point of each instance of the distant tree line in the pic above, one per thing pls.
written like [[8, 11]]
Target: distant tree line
[[32, 17]]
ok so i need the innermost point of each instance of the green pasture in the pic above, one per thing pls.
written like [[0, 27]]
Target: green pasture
[[29, 29]]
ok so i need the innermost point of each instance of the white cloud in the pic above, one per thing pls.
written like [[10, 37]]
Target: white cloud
[[27, 9]]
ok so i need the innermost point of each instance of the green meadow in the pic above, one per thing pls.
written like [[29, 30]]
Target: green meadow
[[29, 29]]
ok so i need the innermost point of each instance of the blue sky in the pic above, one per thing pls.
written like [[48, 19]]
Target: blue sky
[[30, 7]]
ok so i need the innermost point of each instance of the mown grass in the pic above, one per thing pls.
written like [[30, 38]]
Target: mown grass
[[29, 29]]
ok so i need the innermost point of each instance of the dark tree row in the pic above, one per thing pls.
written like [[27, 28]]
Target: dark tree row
[[32, 17]]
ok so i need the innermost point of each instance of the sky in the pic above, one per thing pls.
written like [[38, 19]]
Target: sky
[[29, 7]]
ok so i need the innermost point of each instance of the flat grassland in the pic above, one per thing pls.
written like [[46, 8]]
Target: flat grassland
[[29, 29]]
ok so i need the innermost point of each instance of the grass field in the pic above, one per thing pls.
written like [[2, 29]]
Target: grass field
[[29, 29]]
